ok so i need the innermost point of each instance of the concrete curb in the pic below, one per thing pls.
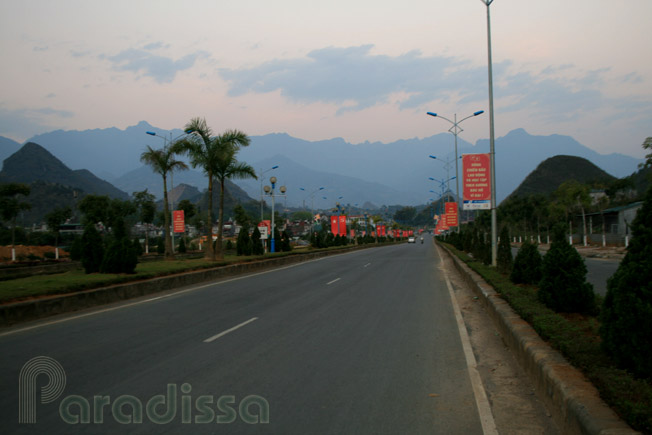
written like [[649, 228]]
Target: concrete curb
[[19, 312], [573, 401]]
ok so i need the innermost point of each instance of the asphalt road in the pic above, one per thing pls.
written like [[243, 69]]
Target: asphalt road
[[361, 343]]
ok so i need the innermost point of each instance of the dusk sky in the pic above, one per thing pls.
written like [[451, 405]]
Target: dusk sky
[[357, 69]]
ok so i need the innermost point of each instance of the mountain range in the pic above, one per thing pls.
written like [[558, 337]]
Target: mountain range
[[378, 173]]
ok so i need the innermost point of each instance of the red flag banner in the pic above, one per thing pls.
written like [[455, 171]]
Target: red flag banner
[[342, 230], [179, 224], [451, 214], [334, 226], [477, 184]]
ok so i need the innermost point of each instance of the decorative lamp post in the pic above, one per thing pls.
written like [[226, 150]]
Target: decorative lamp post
[[270, 191], [262, 202]]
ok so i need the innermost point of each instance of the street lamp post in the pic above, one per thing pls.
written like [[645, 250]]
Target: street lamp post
[[262, 201], [492, 152], [442, 183], [270, 191], [166, 141], [312, 206], [456, 129]]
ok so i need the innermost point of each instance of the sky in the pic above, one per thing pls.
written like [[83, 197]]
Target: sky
[[357, 69]]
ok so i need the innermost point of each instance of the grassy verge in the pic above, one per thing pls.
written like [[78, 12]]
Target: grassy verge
[[577, 338], [26, 288], [76, 280]]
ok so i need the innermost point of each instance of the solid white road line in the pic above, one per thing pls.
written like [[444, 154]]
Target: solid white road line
[[223, 333], [335, 280], [481, 401]]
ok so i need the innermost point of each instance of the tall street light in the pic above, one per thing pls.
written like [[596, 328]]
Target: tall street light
[[270, 191], [456, 129], [167, 141], [492, 152], [262, 201], [312, 206]]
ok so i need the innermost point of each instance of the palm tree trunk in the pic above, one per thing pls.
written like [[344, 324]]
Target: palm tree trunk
[[220, 226], [166, 214], [210, 252]]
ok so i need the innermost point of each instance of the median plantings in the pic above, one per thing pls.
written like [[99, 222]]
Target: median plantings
[[577, 337]]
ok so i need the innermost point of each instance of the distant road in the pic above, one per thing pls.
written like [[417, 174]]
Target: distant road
[[361, 343]]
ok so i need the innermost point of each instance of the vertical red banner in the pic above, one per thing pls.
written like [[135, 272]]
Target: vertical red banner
[[342, 225], [334, 226], [476, 172], [451, 214], [179, 224]]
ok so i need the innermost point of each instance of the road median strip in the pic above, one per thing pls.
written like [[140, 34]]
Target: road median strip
[[573, 401]]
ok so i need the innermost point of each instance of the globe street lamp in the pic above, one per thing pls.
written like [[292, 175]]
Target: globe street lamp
[[456, 129], [492, 153], [270, 191], [262, 202]]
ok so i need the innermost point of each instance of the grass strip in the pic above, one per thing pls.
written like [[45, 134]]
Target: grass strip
[[577, 338]]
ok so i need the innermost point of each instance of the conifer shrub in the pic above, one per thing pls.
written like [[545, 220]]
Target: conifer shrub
[[160, 247], [527, 265], [120, 257], [138, 248], [182, 246], [563, 285], [504, 258], [285, 242], [257, 243], [626, 315], [92, 249], [243, 244]]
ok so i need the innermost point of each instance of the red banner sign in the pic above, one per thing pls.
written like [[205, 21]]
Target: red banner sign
[[477, 184], [179, 224], [342, 230], [451, 214], [334, 226]]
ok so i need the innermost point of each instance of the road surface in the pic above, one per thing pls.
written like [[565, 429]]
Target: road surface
[[360, 343]]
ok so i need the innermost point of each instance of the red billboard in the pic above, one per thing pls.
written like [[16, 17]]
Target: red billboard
[[179, 224], [451, 214], [476, 181]]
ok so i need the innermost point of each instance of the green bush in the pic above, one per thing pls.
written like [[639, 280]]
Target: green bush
[[182, 246], [138, 248], [244, 245], [527, 265], [563, 285], [626, 314], [120, 257], [92, 249], [160, 246], [504, 255], [257, 243]]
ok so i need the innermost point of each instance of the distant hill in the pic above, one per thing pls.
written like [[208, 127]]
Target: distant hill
[[552, 172], [7, 148], [52, 183], [34, 163], [396, 172]]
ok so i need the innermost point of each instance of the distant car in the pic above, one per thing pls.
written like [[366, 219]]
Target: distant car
[[411, 239]]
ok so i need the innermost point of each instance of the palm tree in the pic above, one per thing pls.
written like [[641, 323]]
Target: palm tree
[[163, 162], [216, 155]]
